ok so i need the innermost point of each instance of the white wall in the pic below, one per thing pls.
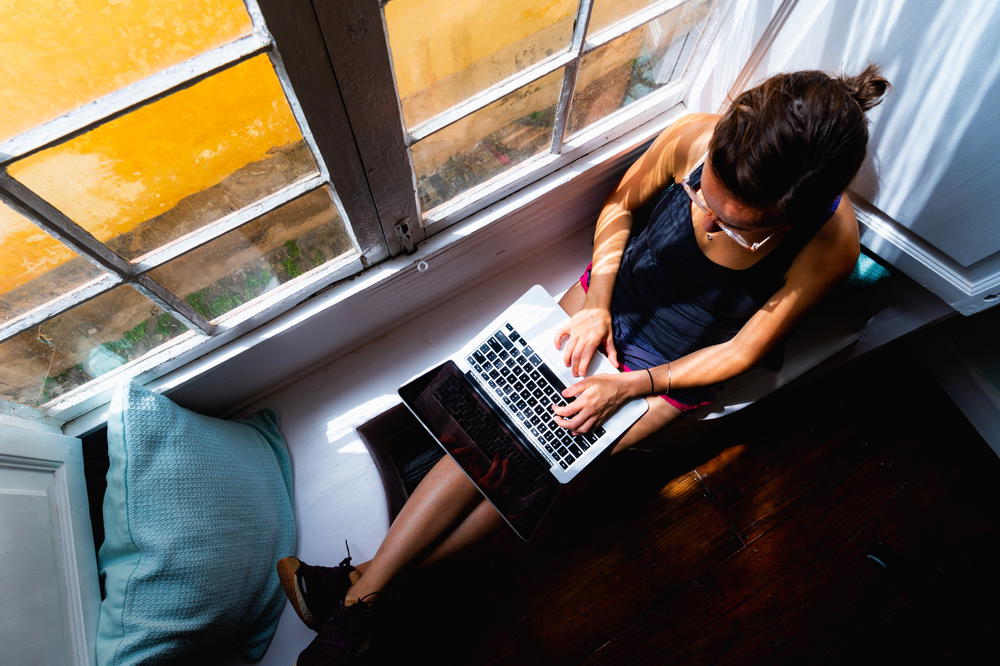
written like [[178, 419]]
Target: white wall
[[933, 162]]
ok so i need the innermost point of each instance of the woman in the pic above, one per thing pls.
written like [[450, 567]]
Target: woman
[[716, 241]]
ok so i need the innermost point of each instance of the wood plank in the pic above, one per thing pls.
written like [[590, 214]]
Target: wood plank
[[869, 479], [824, 435], [596, 566], [606, 565], [868, 533]]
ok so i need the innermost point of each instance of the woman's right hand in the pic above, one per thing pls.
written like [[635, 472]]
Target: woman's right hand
[[586, 330]]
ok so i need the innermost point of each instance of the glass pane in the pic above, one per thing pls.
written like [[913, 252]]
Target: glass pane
[[487, 142], [35, 268], [81, 344], [173, 166], [257, 257], [635, 64], [57, 56], [608, 12], [443, 51]]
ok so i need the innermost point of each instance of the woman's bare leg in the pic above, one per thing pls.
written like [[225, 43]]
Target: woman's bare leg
[[441, 498], [481, 522], [484, 520], [445, 495]]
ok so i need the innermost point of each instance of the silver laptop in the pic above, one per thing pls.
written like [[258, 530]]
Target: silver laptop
[[490, 407]]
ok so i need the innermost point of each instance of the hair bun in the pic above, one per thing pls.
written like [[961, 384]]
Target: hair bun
[[867, 88]]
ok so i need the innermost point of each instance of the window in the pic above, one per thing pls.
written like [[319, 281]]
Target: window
[[492, 95], [173, 174], [161, 187]]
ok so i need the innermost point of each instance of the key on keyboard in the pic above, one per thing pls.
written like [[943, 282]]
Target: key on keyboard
[[519, 378]]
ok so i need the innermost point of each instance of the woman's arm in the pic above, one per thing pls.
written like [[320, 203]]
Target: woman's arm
[[825, 261], [673, 150]]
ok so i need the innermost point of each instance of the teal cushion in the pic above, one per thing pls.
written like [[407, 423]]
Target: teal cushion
[[196, 513], [867, 272]]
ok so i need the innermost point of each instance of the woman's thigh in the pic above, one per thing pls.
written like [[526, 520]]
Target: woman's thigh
[[658, 416], [573, 299]]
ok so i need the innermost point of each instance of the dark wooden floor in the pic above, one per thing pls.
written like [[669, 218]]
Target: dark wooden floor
[[853, 519]]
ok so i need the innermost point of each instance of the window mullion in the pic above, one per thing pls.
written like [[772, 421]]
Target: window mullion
[[354, 34], [234, 220], [629, 24], [303, 55], [54, 221], [128, 99], [569, 75], [355, 227], [172, 303], [41, 314]]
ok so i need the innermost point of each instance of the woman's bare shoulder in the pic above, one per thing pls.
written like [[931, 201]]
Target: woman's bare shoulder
[[685, 140], [841, 230], [833, 251]]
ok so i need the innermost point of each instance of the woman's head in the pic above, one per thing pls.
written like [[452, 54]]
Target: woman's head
[[789, 146]]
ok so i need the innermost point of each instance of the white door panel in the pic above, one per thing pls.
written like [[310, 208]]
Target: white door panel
[[48, 577]]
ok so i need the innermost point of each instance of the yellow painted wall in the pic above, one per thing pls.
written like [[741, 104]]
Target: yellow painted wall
[[26, 251], [62, 54], [57, 55], [142, 164], [433, 39]]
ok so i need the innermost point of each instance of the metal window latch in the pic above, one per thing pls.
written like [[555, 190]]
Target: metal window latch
[[406, 242]]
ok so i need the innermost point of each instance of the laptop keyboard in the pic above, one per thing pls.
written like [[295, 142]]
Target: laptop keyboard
[[519, 378]]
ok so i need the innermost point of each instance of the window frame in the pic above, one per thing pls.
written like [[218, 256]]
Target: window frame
[[310, 90], [333, 61], [357, 39]]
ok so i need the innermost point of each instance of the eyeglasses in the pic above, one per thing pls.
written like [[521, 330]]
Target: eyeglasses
[[699, 201]]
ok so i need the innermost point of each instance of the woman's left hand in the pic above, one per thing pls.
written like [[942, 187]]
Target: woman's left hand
[[597, 398]]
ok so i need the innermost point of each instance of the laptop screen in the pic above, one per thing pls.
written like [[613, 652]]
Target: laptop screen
[[480, 439]]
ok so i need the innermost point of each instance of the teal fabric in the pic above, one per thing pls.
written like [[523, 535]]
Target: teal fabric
[[196, 513], [867, 272]]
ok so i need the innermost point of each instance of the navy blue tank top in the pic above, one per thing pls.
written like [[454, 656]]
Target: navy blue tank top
[[670, 299]]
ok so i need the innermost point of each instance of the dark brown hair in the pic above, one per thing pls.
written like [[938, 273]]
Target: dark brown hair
[[793, 143]]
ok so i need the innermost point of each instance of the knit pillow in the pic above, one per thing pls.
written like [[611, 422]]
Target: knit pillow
[[196, 513], [867, 271]]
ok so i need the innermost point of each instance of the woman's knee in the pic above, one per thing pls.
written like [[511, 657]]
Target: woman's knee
[[447, 474], [659, 413]]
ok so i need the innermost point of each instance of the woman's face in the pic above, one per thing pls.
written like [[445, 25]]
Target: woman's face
[[748, 221]]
